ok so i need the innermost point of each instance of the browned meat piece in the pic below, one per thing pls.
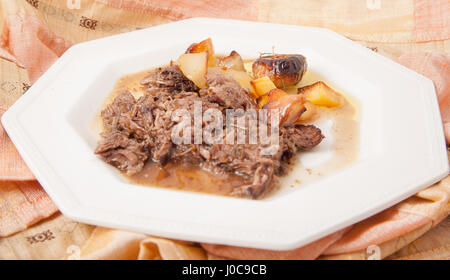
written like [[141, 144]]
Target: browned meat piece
[[122, 152], [169, 79], [140, 129], [301, 137], [262, 179], [226, 92]]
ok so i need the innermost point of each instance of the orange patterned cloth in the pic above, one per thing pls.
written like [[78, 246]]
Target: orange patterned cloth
[[176, 9], [432, 20], [22, 204], [30, 43], [12, 167]]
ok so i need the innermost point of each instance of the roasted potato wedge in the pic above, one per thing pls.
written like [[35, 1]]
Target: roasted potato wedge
[[284, 70], [194, 67], [233, 61], [290, 106], [204, 46], [262, 85], [321, 94]]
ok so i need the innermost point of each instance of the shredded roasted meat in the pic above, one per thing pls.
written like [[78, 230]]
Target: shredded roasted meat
[[138, 130], [169, 79]]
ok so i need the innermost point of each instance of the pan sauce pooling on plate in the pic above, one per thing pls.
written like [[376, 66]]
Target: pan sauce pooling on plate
[[137, 123]]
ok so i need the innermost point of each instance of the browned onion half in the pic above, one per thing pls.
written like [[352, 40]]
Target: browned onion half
[[284, 70], [290, 106]]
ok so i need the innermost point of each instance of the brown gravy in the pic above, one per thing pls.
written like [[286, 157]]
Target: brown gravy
[[345, 131], [185, 177]]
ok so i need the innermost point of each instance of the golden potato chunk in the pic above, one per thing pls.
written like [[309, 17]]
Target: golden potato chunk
[[322, 95], [263, 85]]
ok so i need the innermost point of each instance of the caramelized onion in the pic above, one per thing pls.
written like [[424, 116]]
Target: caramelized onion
[[290, 106], [284, 70]]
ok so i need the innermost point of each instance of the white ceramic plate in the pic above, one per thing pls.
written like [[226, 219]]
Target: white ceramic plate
[[402, 148]]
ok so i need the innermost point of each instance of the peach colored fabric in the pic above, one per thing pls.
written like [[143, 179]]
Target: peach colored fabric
[[32, 43], [179, 9], [27, 41], [436, 67], [378, 229], [6, 55], [12, 167], [22, 204], [432, 20], [407, 20], [308, 252], [123, 245]]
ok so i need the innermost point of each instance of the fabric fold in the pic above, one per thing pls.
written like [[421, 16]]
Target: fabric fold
[[33, 45], [308, 252], [12, 166], [106, 244], [22, 204]]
